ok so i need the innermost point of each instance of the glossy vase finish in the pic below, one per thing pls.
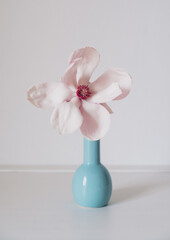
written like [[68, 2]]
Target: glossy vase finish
[[92, 184]]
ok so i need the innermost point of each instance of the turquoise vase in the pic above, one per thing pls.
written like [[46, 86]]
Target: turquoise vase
[[92, 183]]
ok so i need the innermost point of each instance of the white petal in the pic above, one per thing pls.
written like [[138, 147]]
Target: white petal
[[96, 120], [89, 60], [122, 78], [66, 117], [70, 76], [107, 107], [104, 89], [49, 94]]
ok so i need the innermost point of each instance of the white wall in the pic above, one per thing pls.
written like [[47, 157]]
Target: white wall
[[37, 36]]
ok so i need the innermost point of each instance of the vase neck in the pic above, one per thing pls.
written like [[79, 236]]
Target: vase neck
[[91, 152]]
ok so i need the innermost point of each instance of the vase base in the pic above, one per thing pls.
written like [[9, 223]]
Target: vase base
[[87, 207], [92, 186]]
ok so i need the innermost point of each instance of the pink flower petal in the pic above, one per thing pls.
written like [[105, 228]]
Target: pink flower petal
[[104, 89], [70, 76], [123, 79], [107, 107], [49, 94], [66, 117], [96, 120], [89, 60]]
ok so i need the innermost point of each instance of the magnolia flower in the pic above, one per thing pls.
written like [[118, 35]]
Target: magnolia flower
[[79, 103]]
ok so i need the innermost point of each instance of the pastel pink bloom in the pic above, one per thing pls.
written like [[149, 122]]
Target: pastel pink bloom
[[79, 103]]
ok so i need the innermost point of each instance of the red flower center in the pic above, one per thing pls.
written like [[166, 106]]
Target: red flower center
[[83, 91]]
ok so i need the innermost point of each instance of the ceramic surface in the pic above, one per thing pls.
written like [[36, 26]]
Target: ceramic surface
[[92, 184]]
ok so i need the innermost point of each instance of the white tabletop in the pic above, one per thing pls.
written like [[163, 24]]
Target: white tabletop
[[37, 206]]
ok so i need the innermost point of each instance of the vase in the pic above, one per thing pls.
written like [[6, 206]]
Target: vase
[[92, 183]]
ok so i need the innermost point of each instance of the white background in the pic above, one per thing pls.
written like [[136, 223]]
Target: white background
[[36, 40]]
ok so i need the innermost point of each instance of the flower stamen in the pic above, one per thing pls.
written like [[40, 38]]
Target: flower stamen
[[83, 91]]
